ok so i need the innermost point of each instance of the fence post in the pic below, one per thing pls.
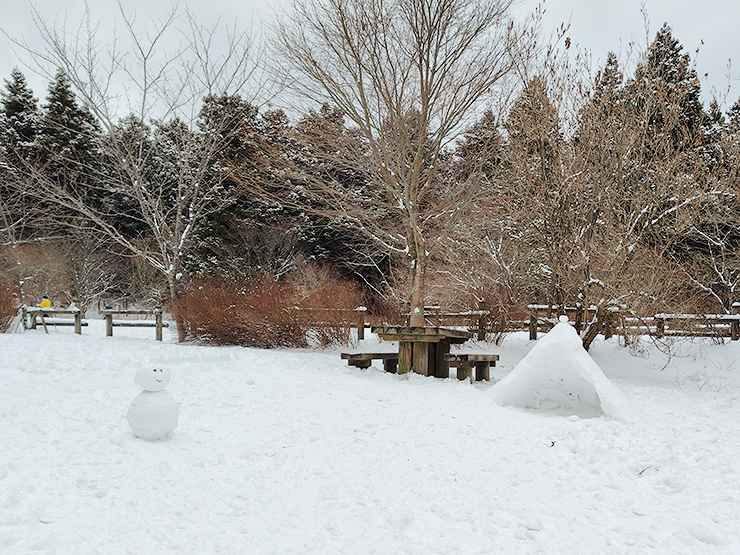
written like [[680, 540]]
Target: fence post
[[78, 322], [360, 322], [659, 327], [483, 318], [579, 318], [735, 325], [158, 323], [109, 325], [532, 327]]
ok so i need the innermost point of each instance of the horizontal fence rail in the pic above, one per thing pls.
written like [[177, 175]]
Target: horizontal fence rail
[[346, 317], [542, 317]]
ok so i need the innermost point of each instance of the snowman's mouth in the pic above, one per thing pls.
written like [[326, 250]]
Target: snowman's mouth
[[160, 381]]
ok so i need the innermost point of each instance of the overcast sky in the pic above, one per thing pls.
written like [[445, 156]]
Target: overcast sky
[[598, 25]]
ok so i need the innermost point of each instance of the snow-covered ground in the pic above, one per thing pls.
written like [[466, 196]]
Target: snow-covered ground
[[292, 451]]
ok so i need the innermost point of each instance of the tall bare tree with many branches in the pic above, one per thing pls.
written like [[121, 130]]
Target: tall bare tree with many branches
[[407, 74]]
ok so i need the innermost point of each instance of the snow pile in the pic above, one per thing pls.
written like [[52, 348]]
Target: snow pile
[[558, 375]]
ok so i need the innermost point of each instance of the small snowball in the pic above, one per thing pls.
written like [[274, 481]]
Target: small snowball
[[563, 318]]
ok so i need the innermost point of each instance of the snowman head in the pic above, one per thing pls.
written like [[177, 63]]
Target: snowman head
[[152, 379]]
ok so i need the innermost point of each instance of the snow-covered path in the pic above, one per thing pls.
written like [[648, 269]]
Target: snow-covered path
[[292, 451]]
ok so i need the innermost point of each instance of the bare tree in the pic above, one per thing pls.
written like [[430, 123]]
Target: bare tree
[[136, 75], [407, 74]]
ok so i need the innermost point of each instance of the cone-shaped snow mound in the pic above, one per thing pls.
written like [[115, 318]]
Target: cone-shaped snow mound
[[559, 376]]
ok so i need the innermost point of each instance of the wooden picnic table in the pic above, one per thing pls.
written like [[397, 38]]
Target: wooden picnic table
[[423, 349], [37, 312]]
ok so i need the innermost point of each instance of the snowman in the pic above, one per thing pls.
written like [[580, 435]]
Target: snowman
[[153, 413]]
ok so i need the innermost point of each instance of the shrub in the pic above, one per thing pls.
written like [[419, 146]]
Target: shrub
[[8, 307], [325, 307], [264, 312]]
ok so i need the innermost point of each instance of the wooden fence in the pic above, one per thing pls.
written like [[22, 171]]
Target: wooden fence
[[137, 322], [345, 317], [541, 318]]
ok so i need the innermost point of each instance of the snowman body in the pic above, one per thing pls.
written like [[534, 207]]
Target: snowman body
[[154, 412]]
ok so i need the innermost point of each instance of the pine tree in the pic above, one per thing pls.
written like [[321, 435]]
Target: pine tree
[[551, 210], [733, 117], [667, 92], [533, 127], [69, 137], [19, 119], [480, 148], [19, 126]]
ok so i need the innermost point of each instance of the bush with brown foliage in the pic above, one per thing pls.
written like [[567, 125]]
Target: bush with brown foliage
[[8, 306], [265, 312]]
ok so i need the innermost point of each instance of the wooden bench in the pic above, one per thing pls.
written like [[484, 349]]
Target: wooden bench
[[364, 360], [465, 363]]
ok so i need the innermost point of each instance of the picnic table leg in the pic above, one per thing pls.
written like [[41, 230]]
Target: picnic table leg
[[442, 366], [33, 321], [390, 365], [109, 325], [78, 323], [405, 356], [421, 358]]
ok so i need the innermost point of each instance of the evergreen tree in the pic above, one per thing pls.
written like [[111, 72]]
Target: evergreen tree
[[667, 93], [19, 127], [733, 118], [534, 137], [19, 119], [130, 138], [480, 149], [550, 209], [69, 137]]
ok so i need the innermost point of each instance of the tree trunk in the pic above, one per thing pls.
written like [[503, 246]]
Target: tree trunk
[[594, 327], [418, 274], [175, 294], [18, 265]]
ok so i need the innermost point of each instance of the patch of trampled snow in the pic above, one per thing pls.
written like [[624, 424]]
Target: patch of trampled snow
[[558, 375]]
